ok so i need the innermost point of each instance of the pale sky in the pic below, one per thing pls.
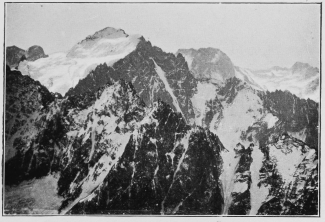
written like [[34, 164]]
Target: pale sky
[[254, 36]]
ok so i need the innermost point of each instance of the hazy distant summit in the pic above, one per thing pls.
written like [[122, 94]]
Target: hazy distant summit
[[297, 67], [305, 69], [209, 64]]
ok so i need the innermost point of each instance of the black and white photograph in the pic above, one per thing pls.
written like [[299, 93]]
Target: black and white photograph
[[162, 109]]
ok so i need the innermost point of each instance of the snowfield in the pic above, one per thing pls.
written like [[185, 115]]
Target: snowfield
[[61, 71], [205, 92], [37, 196]]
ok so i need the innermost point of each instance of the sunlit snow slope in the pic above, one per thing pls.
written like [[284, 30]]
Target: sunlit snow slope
[[61, 71]]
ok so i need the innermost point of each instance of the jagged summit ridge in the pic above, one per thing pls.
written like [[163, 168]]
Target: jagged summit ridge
[[108, 33], [108, 41]]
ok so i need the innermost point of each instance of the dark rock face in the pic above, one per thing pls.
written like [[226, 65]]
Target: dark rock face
[[27, 102], [141, 67], [240, 204], [209, 64], [298, 196], [289, 173], [14, 55], [213, 107], [294, 113], [35, 52], [97, 136], [230, 90], [225, 95], [167, 169]]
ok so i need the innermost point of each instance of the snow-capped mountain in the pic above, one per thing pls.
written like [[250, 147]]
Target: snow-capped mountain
[[154, 74], [61, 71], [151, 132]]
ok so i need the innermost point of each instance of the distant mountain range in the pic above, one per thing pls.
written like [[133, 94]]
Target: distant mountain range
[[215, 66], [118, 126]]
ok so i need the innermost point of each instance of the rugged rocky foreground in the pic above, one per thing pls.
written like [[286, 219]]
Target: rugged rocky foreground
[[161, 158], [115, 155]]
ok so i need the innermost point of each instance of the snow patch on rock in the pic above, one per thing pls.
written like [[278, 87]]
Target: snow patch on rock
[[163, 78], [270, 120], [205, 92]]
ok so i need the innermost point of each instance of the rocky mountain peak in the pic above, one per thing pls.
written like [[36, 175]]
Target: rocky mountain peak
[[107, 33], [13, 48], [277, 68], [108, 41], [209, 64], [35, 52], [305, 69], [300, 65], [14, 55]]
